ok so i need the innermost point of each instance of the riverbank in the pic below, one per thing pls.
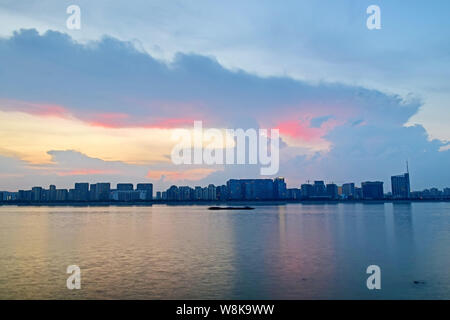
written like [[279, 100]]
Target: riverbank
[[207, 202]]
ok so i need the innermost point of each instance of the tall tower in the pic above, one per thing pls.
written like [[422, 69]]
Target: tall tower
[[400, 185]]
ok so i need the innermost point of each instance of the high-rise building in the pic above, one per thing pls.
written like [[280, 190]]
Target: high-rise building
[[24, 195], [235, 190], [255, 189], [279, 188], [45, 196], [198, 193], [81, 191], [148, 188], [319, 189], [222, 193], [36, 193], [264, 189], [248, 187], [212, 192], [103, 191], [93, 192], [71, 195], [332, 191], [52, 193], [348, 190], [173, 193], [358, 193], [125, 187], [126, 195], [372, 190], [307, 190], [400, 186], [294, 194], [185, 193], [205, 193], [62, 195]]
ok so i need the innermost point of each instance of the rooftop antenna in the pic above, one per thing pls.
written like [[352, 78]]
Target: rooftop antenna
[[407, 167]]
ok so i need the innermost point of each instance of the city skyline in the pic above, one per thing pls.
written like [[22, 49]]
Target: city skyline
[[400, 182], [233, 189]]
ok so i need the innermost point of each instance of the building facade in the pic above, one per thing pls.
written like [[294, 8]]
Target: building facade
[[400, 186], [372, 190]]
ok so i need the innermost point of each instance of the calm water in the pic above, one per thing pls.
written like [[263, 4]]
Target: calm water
[[292, 251]]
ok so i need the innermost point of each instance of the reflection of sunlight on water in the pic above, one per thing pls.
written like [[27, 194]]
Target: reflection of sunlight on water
[[291, 251]]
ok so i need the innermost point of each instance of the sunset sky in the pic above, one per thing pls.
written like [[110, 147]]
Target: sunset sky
[[100, 103]]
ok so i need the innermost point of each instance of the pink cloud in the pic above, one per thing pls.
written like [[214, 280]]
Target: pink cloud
[[303, 130], [308, 122], [300, 130], [105, 119], [37, 109]]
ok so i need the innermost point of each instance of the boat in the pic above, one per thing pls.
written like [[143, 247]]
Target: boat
[[231, 208]]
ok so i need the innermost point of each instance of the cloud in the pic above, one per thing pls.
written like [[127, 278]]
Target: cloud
[[29, 137], [309, 40], [69, 166], [191, 175], [112, 80], [37, 109], [375, 152], [317, 122], [102, 97]]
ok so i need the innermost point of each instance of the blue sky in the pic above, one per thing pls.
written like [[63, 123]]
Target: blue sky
[[376, 97]]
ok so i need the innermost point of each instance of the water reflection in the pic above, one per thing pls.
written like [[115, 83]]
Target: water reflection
[[289, 251]]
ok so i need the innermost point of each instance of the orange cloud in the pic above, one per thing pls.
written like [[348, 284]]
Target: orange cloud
[[122, 120], [173, 123], [109, 120], [29, 138], [82, 172]]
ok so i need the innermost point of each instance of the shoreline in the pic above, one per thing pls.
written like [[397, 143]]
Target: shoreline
[[205, 202]]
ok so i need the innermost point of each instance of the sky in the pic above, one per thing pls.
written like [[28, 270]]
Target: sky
[[100, 103]]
